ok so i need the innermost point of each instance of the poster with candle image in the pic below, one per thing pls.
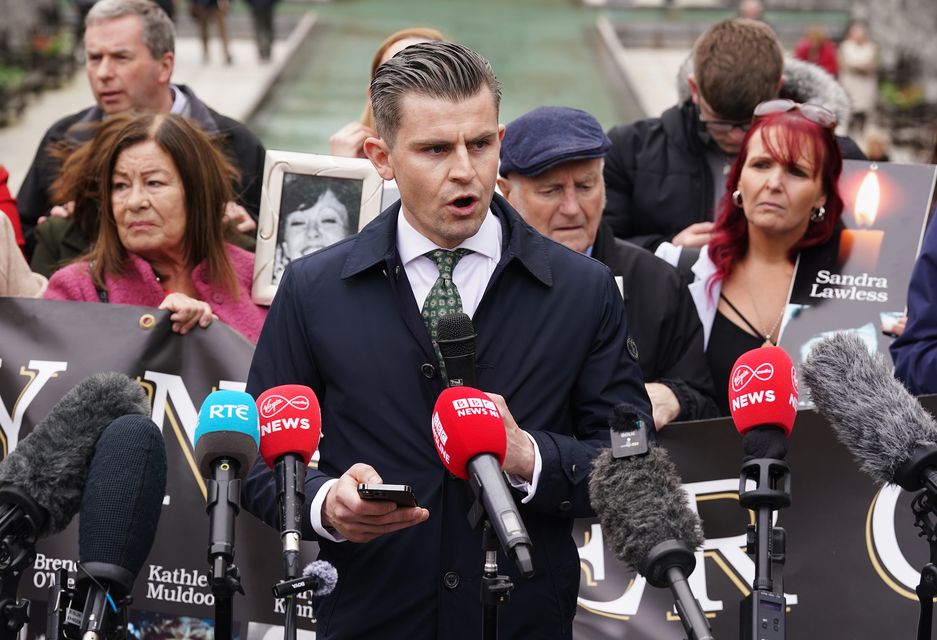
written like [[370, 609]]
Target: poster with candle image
[[858, 281]]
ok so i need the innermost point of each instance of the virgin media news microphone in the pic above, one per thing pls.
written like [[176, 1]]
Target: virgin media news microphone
[[763, 401], [119, 514], [456, 340], [893, 437], [468, 431], [645, 514], [290, 424], [42, 479], [226, 442]]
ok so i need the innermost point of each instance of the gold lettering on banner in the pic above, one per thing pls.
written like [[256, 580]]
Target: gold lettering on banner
[[38, 372], [881, 541]]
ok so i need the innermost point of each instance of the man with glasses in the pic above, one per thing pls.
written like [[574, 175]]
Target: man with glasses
[[664, 175]]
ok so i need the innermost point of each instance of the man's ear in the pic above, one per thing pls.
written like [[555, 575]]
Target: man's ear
[[780, 86], [378, 152], [505, 186], [166, 64], [694, 89]]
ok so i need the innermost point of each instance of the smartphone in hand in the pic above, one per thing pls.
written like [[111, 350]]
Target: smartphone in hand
[[400, 494]]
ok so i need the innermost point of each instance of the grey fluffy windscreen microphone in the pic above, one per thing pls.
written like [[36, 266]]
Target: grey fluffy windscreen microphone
[[893, 437], [319, 579], [647, 521], [456, 339], [48, 467]]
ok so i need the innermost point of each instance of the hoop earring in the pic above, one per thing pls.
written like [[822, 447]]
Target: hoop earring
[[737, 198], [818, 215]]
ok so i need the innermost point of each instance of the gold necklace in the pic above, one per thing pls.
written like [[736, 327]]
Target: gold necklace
[[768, 341]]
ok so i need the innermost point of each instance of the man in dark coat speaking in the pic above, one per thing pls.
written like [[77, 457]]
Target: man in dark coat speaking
[[347, 321]]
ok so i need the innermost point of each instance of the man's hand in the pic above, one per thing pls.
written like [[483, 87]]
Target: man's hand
[[664, 403], [519, 458], [696, 235], [187, 312], [236, 214], [362, 520], [349, 140]]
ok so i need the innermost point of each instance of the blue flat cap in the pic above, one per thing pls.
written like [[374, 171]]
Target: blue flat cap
[[547, 136]]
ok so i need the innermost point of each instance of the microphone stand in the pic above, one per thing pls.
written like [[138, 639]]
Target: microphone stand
[[20, 518], [766, 542], [495, 589], [225, 577]]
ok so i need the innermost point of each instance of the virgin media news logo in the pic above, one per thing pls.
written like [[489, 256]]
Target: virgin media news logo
[[273, 405], [744, 374]]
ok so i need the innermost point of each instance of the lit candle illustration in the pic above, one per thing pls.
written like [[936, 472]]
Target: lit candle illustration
[[859, 248]]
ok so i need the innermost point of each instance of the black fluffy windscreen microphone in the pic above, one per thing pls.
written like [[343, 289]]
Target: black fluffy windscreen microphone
[[456, 339], [122, 500], [893, 437], [48, 467]]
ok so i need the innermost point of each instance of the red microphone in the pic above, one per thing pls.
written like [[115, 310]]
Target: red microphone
[[466, 423], [290, 425], [763, 393], [469, 435]]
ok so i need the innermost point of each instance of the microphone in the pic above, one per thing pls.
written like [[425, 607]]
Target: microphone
[[763, 401], [42, 479], [290, 425], [456, 340], [226, 441], [636, 492], [468, 432], [120, 511], [319, 577], [888, 431]]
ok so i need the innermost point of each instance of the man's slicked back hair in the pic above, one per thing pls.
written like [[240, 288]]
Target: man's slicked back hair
[[737, 64], [158, 30], [434, 69]]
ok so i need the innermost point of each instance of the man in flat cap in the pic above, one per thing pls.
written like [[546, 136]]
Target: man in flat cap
[[551, 172]]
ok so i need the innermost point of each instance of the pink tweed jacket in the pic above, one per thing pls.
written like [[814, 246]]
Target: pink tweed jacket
[[138, 285]]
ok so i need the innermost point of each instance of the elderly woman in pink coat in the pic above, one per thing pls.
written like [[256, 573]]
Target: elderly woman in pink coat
[[161, 187]]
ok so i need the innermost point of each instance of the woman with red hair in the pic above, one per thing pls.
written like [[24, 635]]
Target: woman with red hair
[[781, 198]]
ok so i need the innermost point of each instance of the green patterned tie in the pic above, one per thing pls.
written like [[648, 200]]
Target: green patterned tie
[[444, 297]]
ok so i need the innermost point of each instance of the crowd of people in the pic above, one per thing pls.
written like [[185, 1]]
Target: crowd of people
[[544, 231]]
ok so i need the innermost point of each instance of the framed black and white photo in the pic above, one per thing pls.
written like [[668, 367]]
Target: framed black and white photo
[[309, 202]]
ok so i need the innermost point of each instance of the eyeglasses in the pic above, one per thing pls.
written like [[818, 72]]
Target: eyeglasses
[[812, 112], [725, 126]]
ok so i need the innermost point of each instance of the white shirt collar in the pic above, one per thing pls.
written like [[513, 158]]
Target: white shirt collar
[[411, 244], [180, 101]]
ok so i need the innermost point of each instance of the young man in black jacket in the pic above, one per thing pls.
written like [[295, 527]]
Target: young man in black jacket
[[664, 175]]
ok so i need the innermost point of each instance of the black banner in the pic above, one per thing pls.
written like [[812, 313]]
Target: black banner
[[853, 555]]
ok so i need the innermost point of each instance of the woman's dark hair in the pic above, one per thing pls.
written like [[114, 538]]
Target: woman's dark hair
[[795, 136], [206, 176]]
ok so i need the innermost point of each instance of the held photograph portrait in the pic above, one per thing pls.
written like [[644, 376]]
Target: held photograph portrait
[[308, 203]]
